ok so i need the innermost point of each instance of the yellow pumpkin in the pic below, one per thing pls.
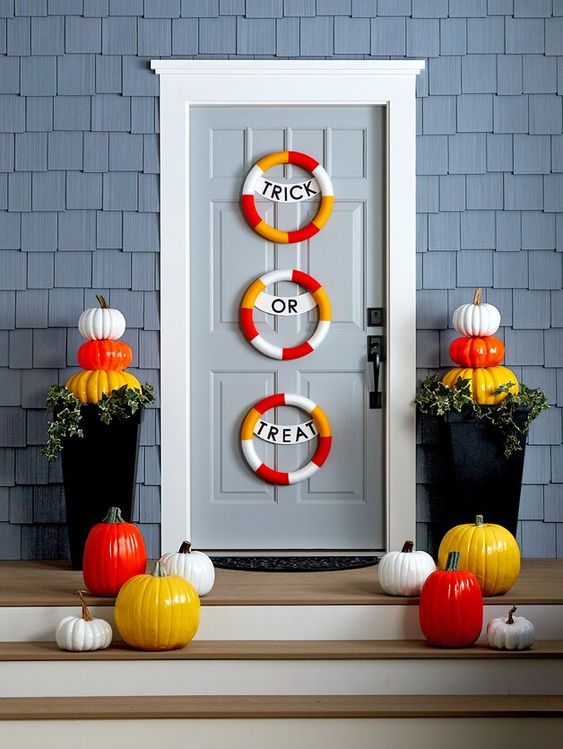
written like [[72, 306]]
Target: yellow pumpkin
[[487, 550], [484, 381], [90, 384], [158, 611]]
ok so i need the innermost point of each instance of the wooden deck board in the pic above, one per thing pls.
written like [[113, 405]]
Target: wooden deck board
[[280, 650], [295, 706], [54, 583]]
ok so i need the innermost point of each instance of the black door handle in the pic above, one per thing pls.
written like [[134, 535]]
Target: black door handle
[[375, 355]]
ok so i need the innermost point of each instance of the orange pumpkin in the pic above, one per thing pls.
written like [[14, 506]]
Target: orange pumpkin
[[104, 355], [486, 351]]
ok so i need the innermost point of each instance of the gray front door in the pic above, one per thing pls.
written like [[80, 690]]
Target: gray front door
[[341, 506]]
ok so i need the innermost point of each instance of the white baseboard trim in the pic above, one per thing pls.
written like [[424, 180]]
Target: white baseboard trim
[[389, 622], [359, 733], [275, 677]]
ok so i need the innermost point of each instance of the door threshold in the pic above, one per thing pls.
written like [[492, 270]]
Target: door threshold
[[294, 552]]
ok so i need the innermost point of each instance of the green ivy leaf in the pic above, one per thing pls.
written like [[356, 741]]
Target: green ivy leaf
[[436, 398], [119, 404]]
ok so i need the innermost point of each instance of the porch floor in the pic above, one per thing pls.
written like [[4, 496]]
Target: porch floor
[[48, 583]]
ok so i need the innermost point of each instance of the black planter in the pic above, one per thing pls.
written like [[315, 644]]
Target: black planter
[[480, 479], [99, 472]]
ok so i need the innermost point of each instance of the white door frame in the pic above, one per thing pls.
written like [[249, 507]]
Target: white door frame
[[390, 83]]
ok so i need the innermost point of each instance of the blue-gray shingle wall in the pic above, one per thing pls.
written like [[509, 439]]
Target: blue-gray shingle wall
[[79, 204]]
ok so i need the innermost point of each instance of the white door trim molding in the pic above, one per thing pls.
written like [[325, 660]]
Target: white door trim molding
[[389, 83]]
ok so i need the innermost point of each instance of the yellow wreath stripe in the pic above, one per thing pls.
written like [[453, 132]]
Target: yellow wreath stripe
[[321, 298], [273, 159], [321, 422], [247, 430], [324, 211], [252, 294]]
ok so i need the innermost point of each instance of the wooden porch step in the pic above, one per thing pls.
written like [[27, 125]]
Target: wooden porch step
[[261, 606], [294, 706], [268, 668], [281, 650], [43, 584]]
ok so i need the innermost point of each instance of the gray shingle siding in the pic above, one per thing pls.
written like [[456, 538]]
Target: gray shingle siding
[[79, 202]]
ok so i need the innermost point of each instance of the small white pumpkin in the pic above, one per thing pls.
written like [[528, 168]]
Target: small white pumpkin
[[512, 633], [403, 573], [101, 323], [195, 566], [80, 633], [477, 318]]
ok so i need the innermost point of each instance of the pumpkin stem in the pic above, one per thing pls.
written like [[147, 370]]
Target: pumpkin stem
[[478, 520], [113, 516], [86, 615], [102, 301], [185, 548], [408, 546], [477, 296], [159, 570], [510, 619], [452, 561]]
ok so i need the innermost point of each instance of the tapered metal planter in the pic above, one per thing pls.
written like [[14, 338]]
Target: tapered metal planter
[[99, 472]]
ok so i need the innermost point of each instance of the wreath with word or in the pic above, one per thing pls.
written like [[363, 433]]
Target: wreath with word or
[[284, 305]]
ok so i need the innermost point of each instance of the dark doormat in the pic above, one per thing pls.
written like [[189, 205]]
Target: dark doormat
[[293, 564]]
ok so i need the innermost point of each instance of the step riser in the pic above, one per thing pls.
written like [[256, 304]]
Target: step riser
[[379, 677], [400, 622], [360, 733]]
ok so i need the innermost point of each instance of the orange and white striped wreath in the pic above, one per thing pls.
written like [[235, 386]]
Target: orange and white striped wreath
[[250, 331], [256, 183], [247, 438]]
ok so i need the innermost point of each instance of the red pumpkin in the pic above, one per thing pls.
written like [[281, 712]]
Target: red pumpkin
[[114, 552], [476, 352], [104, 355], [451, 606]]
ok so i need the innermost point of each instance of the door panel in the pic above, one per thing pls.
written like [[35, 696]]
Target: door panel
[[225, 149], [332, 483], [341, 506], [349, 153], [230, 265], [230, 484], [346, 237]]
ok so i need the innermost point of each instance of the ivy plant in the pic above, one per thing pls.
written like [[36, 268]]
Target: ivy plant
[[124, 402], [119, 404], [66, 421], [437, 399]]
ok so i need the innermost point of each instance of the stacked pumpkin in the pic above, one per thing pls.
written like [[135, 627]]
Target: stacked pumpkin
[[478, 353], [103, 357]]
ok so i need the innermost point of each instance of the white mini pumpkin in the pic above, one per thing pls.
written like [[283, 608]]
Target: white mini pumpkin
[[195, 566], [403, 573], [512, 633], [101, 323], [477, 318], [80, 633]]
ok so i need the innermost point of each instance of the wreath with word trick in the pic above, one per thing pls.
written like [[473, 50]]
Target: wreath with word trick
[[256, 297], [256, 184], [254, 424]]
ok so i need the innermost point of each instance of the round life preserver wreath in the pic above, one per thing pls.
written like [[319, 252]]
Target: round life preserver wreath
[[319, 295], [288, 193], [324, 436]]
